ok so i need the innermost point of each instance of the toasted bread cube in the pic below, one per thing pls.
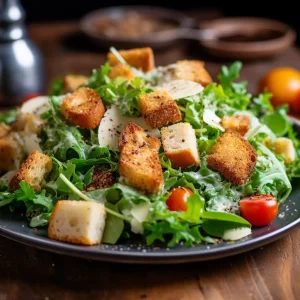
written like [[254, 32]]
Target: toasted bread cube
[[139, 162], [238, 123], [28, 123], [140, 58], [33, 171], [4, 130], [73, 81], [121, 70], [233, 157], [193, 70], [101, 179], [135, 135], [284, 147], [78, 222], [180, 145], [10, 153], [83, 108], [159, 109]]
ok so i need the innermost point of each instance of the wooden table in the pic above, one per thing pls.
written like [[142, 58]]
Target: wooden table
[[270, 272]]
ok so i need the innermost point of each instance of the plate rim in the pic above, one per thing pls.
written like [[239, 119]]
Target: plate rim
[[180, 256]]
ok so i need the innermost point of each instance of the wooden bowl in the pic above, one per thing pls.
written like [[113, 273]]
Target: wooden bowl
[[247, 38], [155, 40]]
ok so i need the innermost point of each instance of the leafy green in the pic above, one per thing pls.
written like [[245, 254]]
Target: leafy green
[[56, 87], [226, 217], [8, 117], [40, 220], [113, 226], [217, 228], [261, 104]]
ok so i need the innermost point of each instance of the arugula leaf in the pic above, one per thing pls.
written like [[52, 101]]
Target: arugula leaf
[[226, 217], [40, 220], [56, 87], [195, 208], [261, 104], [217, 228], [114, 226], [99, 77], [8, 117]]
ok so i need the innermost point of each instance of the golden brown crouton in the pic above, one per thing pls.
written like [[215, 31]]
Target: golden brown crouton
[[101, 179], [193, 70], [121, 70], [72, 82], [180, 145], [4, 130], [83, 108], [33, 171], [238, 123], [135, 135], [139, 163], [233, 157], [78, 222], [159, 109], [140, 58], [10, 153], [27, 123]]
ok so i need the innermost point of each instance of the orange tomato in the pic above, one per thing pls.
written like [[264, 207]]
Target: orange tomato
[[178, 198], [284, 84]]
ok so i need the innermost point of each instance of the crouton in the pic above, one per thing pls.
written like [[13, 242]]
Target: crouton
[[10, 153], [4, 130], [193, 70], [78, 222], [285, 148], [101, 179], [134, 134], [83, 108], [27, 123], [121, 70], [180, 145], [159, 109], [140, 58], [238, 123], [139, 162], [33, 171], [233, 157], [73, 81]]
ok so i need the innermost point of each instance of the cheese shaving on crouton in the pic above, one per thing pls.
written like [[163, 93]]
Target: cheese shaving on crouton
[[83, 108], [73, 81], [140, 58], [33, 171], [180, 145], [233, 157], [159, 109], [121, 70], [139, 162], [193, 70], [78, 222], [27, 123], [239, 123]]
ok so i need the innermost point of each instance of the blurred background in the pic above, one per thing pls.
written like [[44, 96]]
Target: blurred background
[[67, 9]]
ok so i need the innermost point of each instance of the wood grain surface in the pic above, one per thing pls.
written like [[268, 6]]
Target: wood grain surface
[[270, 272]]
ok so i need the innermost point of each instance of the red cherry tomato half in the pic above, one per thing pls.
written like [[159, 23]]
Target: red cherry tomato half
[[178, 198], [30, 96], [259, 210]]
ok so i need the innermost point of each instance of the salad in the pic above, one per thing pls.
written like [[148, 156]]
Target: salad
[[159, 154]]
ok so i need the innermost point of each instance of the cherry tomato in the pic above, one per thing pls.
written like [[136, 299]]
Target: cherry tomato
[[284, 84], [178, 198], [259, 210], [30, 96]]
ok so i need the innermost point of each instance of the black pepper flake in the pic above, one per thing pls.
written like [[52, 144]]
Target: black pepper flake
[[183, 140]]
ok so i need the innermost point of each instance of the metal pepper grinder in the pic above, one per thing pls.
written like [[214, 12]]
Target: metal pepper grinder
[[21, 64]]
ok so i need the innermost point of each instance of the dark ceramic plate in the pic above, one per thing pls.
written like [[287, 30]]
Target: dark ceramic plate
[[15, 227]]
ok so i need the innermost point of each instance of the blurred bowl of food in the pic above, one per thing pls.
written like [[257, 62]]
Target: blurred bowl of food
[[134, 26], [247, 38]]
